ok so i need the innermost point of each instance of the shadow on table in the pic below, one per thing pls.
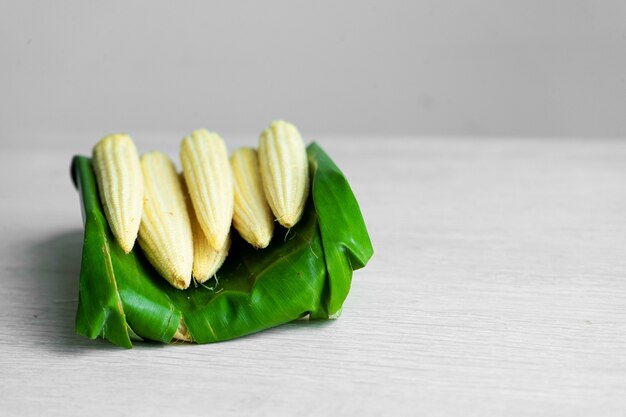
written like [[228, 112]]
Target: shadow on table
[[56, 263]]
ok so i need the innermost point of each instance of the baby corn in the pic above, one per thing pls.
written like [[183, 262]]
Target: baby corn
[[252, 216], [285, 171], [165, 233], [207, 173], [206, 260], [120, 184]]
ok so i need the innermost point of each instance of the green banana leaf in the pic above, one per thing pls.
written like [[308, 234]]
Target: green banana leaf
[[305, 270]]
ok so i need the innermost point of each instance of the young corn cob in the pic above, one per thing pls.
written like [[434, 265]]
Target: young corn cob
[[120, 184], [165, 232], [285, 171], [207, 173], [252, 217], [206, 260]]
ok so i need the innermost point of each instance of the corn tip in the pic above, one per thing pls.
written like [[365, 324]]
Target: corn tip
[[181, 283], [261, 243]]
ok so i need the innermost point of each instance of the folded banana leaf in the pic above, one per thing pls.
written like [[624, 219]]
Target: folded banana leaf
[[305, 271]]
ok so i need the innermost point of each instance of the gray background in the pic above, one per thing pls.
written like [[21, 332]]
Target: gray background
[[497, 286], [481, 67]]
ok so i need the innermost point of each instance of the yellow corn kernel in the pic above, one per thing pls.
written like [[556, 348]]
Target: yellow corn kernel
[[284, 169], [252, 216], [207, 173], [120, 185], [206, 260], [165, 232]]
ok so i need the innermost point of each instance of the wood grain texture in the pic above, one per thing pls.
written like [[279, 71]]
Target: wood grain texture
[[498, 287]]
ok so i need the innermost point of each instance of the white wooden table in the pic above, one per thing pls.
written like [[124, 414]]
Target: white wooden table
[[498, 287]]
